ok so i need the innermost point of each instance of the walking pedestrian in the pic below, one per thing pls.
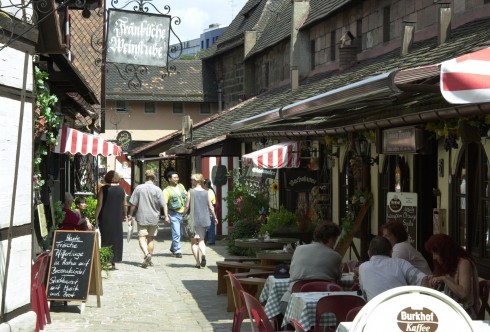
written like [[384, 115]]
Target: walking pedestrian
[[201, 207], [110, 212], [146, 200], [175, 197], [210, 238]]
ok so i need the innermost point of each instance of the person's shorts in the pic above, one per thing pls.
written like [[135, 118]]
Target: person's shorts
[[200, 232], [147, 230]]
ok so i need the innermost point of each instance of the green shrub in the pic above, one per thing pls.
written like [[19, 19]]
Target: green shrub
[[106, 255], [278, 219], [242, 230]]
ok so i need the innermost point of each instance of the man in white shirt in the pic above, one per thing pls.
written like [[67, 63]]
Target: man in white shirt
[[382, 272], [397, 234]]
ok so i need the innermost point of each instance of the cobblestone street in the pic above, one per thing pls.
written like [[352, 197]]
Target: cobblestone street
[[172, 295]]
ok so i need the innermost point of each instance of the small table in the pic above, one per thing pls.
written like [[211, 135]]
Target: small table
[[275, 288], [273, 257], [272, 293], [273, 243], [302, 307]]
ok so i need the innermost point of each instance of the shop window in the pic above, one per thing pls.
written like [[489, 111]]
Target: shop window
[[121, 106], [178, 108], [205, 108], [150, 107]]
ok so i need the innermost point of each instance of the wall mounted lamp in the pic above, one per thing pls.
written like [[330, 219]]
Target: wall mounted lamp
[[364, 150]]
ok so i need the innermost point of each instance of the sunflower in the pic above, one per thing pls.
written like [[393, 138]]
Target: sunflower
[[275, 187]]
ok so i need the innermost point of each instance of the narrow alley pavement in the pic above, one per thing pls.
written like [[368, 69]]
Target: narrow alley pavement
[[172, 295]]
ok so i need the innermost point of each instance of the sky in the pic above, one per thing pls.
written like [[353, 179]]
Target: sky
[[197, 15]]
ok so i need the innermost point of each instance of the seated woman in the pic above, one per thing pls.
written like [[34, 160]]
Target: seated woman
[[454, 272], [80, 206], [71, 221]]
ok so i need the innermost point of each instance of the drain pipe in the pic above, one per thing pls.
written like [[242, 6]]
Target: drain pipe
[[220, 100]]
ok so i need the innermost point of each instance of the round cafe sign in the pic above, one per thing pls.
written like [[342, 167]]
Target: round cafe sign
[[123, 139]]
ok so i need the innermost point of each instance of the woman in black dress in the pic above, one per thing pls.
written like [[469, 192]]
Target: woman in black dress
[[110, 213]]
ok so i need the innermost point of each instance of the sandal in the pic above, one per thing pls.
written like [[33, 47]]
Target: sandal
[[146, 261]]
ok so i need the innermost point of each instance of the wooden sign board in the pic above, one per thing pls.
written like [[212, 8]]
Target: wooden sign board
[[137, 38], [72, 266], [403, 207]]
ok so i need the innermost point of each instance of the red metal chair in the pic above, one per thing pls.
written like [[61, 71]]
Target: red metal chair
[[297, 326], [484, 290], [258, 318], [300, 283], [353, 313], [339, 305], [38, 291], [240, 309], [321, 286]]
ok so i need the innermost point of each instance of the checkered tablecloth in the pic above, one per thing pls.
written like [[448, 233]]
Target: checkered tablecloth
[[275, 288], [302, 307], [272, 293]]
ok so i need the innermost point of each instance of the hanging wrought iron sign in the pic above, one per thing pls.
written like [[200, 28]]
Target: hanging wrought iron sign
[[137, 38]]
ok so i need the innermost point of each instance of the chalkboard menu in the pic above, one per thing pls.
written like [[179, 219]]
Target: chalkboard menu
[[71, 265], [137, 38], [403, 207]]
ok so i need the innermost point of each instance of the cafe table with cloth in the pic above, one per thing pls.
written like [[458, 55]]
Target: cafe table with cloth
[[275, 288], [302, 307]]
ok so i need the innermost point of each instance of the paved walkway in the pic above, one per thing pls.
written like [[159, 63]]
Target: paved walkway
[[170, 296]]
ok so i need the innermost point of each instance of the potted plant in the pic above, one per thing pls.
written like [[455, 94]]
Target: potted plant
[[280, 221]]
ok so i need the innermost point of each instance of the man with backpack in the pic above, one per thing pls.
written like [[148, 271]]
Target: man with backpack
[[175, 197]]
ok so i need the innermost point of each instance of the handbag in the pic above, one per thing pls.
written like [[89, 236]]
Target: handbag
[[186, 229]]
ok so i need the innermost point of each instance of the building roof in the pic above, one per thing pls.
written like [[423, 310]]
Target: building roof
[[278, 28], [465, 39], [254, 16], [321, 8], [193, 82]]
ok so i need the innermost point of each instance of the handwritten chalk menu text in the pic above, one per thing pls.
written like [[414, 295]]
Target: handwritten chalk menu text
[[403, 207], [137, 38], [71, 263]]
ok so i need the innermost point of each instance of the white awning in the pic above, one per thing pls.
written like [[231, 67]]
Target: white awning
[[282, 155], [73, 141], [466, 79]]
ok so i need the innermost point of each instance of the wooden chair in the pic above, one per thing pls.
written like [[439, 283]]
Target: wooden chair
[[297, 326], [300, 283], [483, 291], [353, 313], [38, 291], [321, 286], [258, 318], [236, 267], [339, 305], [240, 309]]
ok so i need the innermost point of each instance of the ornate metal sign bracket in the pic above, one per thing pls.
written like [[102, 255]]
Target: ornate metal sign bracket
[[136, 74]]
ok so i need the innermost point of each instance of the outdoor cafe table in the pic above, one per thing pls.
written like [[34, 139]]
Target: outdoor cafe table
[[272, 243], [302, 307], [275, 288], [273, 257]]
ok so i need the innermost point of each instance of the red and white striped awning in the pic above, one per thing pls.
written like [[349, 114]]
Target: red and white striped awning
[[73, 141], [282, 155], [466, 79]]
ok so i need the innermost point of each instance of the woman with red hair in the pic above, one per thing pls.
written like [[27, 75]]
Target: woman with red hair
[[454, 271]]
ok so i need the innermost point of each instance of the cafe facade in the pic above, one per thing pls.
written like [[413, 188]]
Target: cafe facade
[[372, 125]]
